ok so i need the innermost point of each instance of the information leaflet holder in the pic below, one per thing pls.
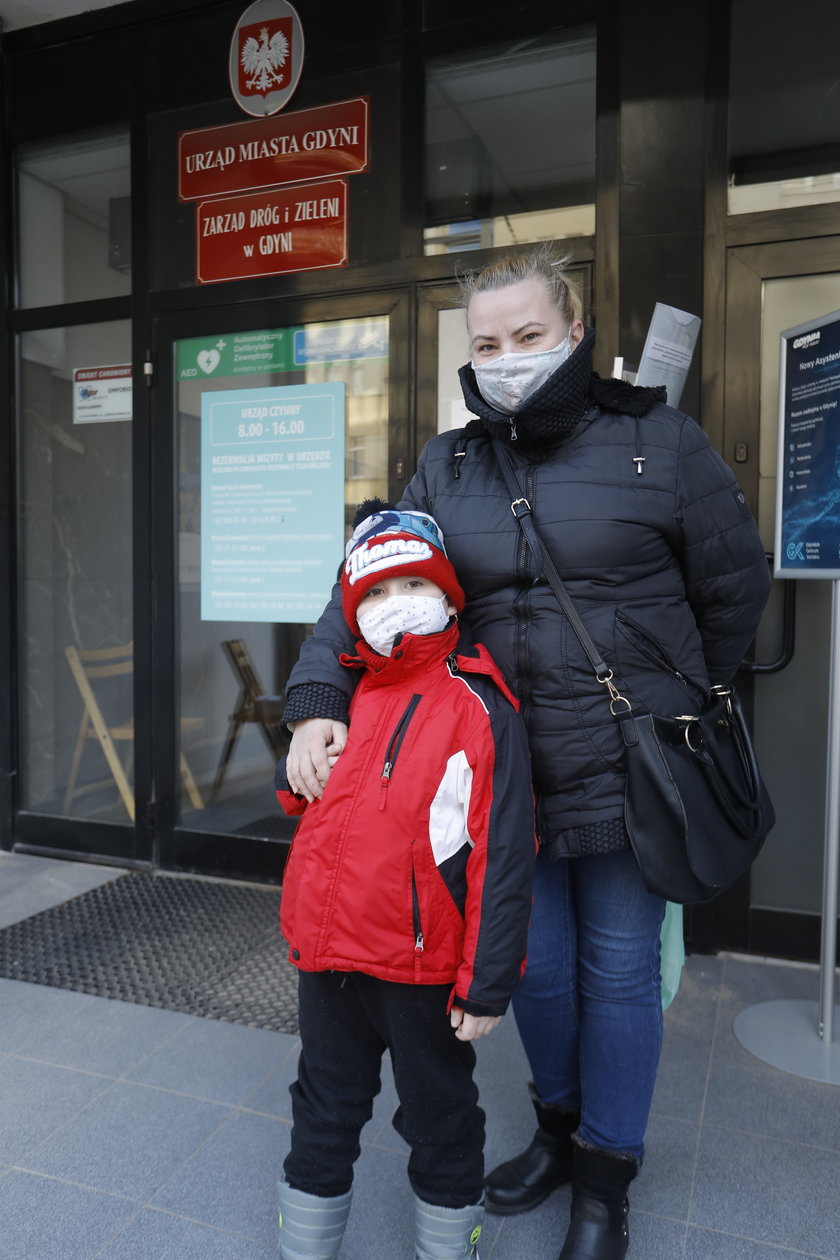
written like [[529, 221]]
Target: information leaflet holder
[[798, 1036]]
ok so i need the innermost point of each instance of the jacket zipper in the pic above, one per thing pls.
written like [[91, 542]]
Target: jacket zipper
[[522, 566], [419, 943], [394, 746], [654, 650]]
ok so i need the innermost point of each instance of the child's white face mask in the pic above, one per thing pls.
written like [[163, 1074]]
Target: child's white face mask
[[507, 382], [402, 614]]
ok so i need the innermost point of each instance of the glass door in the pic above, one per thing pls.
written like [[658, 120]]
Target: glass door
[[76, 608], [280, 432], [771, 288]]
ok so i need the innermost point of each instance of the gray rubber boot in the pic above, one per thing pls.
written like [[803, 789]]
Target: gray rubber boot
[[311, 1227], [446, 1233]]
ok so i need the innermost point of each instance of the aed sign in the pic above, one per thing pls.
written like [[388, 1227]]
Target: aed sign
[[272, 233], [266, 57], [319, 143]]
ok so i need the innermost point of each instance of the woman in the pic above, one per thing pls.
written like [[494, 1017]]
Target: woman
[[659, 551]]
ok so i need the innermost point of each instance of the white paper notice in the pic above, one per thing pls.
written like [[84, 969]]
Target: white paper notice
[[668, 351], [101, 394]]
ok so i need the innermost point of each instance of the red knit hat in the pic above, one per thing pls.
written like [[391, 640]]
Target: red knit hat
[[387, 542]]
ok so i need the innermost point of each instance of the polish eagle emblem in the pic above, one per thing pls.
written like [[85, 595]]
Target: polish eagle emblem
[[263, 58]]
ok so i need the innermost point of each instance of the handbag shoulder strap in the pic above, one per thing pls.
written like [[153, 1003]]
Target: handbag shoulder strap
[[521, 509]]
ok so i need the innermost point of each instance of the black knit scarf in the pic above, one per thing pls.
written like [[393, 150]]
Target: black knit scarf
[[571, 394]]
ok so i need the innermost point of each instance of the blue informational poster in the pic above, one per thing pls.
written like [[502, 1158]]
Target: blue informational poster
[[272, 504], [808, 482]]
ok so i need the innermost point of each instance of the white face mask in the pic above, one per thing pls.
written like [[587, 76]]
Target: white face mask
[[402, 614], [508, 381]]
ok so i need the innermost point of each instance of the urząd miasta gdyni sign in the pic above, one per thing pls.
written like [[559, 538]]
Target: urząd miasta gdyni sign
[[266, 57]]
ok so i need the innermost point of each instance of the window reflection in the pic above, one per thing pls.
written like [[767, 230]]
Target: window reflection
[[784, 106], [75, 588], [491, 177], [74, 209]]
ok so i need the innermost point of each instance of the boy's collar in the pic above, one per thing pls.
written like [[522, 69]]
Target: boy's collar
[[411, 652]]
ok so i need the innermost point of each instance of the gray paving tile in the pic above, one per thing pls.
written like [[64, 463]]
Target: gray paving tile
[[212, 1170], [106, 1036], [500, 1058], [746, 1093], [30, 1010], [747, 980], [663, 1186], [687, 1042], [654, 1237], [129, 1141], [272, 1096], [772, 1192], [204, 1189], [35, 1100], [208, 1058], [156, 1234], [706, 1244], [510, 1123], [538, 1233], [706, 972], [502, 1075], [53, 1220], [382, 1216]]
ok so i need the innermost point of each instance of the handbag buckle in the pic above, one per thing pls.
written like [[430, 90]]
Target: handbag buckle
[[723, 693], [616, 698], [523, 511], [692, 723]]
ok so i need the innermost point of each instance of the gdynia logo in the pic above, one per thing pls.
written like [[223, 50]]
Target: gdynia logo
[[809, 339]]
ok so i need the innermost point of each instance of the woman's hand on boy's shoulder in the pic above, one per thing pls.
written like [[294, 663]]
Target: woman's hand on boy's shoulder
[[316, 746], [468, 1027]]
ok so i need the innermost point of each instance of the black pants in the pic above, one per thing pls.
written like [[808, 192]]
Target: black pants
[[347, 1021]]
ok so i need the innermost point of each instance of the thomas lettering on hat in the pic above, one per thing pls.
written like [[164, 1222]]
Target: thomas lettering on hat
[[366, 560]]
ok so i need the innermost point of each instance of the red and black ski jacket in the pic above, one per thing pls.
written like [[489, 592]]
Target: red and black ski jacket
[[415, 866]]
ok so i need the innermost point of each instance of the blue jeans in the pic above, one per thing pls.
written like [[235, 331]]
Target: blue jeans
[[589, 1007]]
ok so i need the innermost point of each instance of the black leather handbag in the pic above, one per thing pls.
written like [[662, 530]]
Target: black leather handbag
[[696, 809]]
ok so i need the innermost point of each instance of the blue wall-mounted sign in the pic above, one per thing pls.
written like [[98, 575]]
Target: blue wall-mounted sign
[[808, 481]]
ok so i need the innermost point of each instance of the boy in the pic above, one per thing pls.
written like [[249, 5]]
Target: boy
[[406, 897]]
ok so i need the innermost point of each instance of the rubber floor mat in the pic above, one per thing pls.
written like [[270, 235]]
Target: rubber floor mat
[[189, 945]]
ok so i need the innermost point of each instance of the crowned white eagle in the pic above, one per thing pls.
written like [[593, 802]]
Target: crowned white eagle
[[262, 58]]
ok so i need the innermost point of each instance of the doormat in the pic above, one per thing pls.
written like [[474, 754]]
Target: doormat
[[189, 945]]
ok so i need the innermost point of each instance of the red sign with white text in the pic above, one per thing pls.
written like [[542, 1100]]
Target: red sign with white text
[[319, 143], [272, 233]]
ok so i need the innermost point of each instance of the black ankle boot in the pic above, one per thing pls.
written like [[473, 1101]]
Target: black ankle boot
[[524, 1181], [598, 1227]]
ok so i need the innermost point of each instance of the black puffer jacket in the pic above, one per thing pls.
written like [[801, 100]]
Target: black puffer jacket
[[665, 565]]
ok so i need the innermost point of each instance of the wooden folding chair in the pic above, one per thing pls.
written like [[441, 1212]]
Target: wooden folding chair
[[92, 665], [252, 705]]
